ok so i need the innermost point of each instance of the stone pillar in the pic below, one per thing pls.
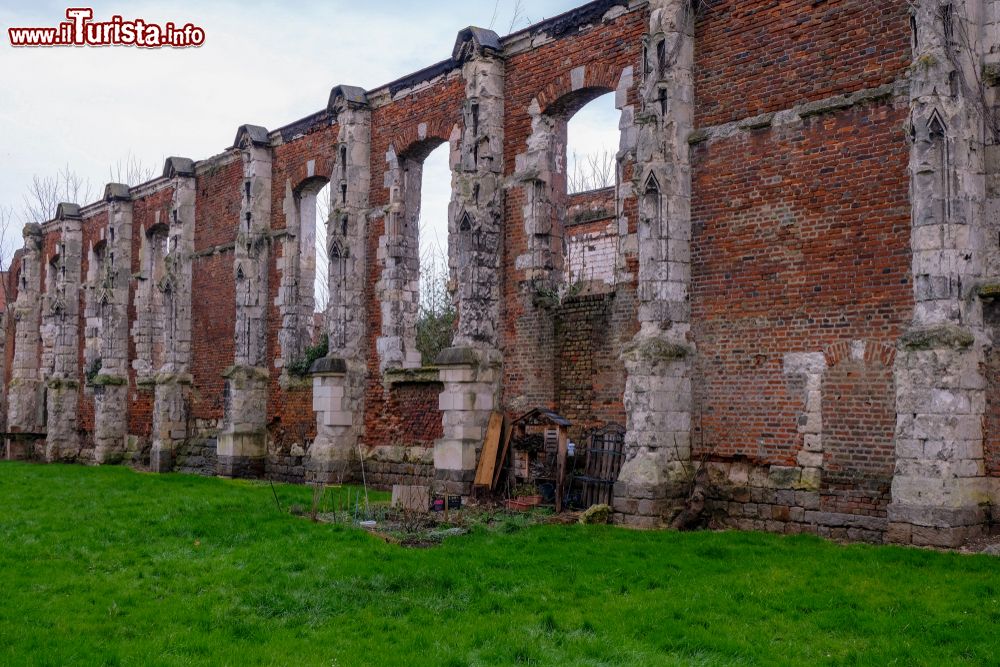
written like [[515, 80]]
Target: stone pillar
[[339, 379], [398, 287], [658, 361], [173, 379], [939, 487], [110, 299], [470, 371], [243, 441], [26, 393], [61, 329]]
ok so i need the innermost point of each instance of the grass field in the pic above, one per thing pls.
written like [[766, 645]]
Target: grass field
[[105, 566]]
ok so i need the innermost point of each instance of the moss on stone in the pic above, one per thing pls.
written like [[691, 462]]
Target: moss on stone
[[698, 136], [656, 349], [944, 336], [991, 74], [990, 291], [108, 381], [58, 384], [597, 514]]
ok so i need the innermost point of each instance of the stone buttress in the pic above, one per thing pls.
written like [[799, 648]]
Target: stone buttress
[[339, 379], [61, 339], [173, 378], [26, 393], [242, 448], [108, 300], [658, 361], [470, 370], [939, 490]]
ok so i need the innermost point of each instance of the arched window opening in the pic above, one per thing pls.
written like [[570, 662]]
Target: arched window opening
[[592, 145], [315, 204], [590, 204], [436, 319]]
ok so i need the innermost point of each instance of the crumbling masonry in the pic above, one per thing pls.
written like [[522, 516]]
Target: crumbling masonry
[[792, 290]]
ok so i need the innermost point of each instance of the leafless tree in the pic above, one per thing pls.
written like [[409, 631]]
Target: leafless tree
[[592, 171], [517, 16], [436, 322], [7, 248], [131, 171], [321, 290], [46, 193]]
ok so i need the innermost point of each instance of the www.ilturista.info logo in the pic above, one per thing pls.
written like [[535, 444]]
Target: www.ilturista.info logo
[[81, 30]]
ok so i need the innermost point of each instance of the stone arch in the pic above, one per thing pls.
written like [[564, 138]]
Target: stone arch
[[311, 290], [544, 165], [417, 141], [574, 87]]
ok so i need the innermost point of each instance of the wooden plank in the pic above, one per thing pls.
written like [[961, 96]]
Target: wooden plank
[[563, 446], [508, 429], [488, 457]]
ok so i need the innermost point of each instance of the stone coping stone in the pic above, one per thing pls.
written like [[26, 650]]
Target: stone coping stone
[[329, 366]]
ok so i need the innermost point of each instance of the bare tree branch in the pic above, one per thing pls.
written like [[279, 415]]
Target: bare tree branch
[[322, 286], [131, 171], [592, 171], [46, 193]]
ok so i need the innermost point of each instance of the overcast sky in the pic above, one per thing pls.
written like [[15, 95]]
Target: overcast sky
[[262, 63]]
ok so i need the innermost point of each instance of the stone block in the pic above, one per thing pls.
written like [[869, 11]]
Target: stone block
[[411, 498], [455, 454]]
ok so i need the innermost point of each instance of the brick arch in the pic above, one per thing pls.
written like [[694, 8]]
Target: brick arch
[[300, 176], [311, 184], [418, 140], [875, 353], [562, 98]]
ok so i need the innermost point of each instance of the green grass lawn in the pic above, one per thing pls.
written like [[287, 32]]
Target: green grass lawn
[[105, 566]]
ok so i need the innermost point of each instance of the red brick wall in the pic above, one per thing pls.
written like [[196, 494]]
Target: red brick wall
[[213, 311], [800, 244], [396, 125], [590, 331], [801, 236], [859, 422], [759, 56], [412, 417]]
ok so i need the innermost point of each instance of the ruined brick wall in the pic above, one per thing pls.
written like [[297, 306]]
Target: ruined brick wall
[[800, 257], [591, 331], [801, 245], [422, 117], [604, 50]]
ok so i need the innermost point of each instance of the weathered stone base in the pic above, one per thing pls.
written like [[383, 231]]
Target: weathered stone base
[[646, 507], [161, 459], [935, 526], [110, 403], [287, 465], [242, 455], [240, 467], [22, 446], [453, 482], [330, 471], [792, 512], [386, 467], [197, 456], [470, 378]]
